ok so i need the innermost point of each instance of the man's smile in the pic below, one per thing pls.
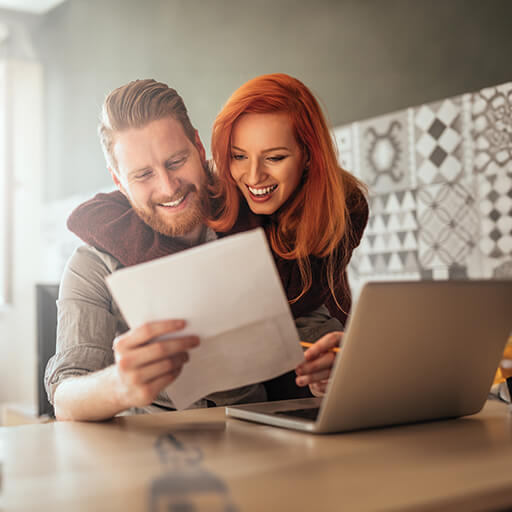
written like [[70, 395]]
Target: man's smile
[[175, 203]]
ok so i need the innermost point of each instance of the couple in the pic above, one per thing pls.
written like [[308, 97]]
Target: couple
[[274, 165]]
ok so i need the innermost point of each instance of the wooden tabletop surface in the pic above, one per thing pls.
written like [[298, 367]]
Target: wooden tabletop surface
[[201, 459]]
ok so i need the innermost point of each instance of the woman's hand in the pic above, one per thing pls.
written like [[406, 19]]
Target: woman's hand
[[316, 369]]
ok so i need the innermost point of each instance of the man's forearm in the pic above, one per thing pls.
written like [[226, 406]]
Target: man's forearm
[[92, 397]]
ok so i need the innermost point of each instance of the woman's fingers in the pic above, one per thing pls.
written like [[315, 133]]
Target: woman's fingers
[[319, 388], [316, 369], [311, 378], [324, 344], [324, 362]]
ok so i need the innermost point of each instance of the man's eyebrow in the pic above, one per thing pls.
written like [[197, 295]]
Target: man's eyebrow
[[136, 171], [179, 154], [277, 148], [174, 156]]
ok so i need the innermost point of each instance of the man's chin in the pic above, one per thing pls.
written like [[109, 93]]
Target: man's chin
[[182, 224]]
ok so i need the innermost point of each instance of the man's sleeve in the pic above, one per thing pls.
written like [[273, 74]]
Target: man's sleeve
[[314, 325], [86, 325]]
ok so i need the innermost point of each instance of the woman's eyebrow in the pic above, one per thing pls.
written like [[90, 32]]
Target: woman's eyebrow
[[277, 148]]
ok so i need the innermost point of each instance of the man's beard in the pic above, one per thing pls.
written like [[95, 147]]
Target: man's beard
[[182, 222]]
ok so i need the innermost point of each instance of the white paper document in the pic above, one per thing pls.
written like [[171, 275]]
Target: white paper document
[[230, 294]]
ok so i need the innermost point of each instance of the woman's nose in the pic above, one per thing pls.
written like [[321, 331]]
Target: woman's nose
[[256, 172]]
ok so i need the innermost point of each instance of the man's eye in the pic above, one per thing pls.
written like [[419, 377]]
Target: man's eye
[[237, 156], [277, 158], [176, 163], [144, 175]]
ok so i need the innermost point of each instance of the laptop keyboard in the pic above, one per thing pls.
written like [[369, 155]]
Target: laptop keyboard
[[306, 414]]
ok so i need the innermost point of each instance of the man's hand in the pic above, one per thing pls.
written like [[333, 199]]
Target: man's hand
[[145, 365], [319, 358]]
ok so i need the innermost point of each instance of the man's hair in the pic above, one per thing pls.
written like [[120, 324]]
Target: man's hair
[[136, 104]]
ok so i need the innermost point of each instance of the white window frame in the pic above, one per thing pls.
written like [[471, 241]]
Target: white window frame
[[6, 186]]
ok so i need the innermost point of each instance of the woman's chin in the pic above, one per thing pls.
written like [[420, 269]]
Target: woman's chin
[[263, 208]]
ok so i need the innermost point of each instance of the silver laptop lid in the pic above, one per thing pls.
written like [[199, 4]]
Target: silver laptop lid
[[416, 351]]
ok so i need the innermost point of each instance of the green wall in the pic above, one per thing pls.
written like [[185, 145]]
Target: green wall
[[362, 58]]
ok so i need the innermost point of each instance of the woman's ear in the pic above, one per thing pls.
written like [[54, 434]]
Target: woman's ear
[[307, 159]]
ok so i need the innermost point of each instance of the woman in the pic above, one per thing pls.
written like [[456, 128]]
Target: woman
[[276, 168], [274, 154]]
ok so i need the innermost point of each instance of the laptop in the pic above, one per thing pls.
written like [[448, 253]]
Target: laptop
[[413, 351]]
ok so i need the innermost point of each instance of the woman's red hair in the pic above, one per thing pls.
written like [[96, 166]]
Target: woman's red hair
[[315, 220]]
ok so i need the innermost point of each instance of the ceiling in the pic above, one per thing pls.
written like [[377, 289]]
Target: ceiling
[[32, 6]]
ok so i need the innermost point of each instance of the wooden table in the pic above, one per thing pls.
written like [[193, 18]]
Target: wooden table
[[172, 460]]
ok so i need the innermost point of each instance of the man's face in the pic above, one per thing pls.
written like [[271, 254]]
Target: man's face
[[162, 174]]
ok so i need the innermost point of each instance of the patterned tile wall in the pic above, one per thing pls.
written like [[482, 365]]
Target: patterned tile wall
[[439, 178]]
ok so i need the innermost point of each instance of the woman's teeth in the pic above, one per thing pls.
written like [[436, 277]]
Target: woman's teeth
[[262, 191]]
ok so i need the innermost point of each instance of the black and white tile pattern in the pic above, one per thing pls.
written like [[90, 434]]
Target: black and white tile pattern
[[492, 129], [438, 141], [384, 153], [440, 184], [448, 222], [496, 210]]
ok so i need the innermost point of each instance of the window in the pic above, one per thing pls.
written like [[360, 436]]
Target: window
[[5, 187]]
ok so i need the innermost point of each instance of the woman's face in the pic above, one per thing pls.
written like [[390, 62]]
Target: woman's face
[[266, 161]]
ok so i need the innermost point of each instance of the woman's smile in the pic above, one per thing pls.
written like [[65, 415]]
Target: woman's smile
[[261, 193]]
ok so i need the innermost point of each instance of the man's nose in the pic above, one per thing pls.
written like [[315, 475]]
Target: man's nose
[[168, 183]]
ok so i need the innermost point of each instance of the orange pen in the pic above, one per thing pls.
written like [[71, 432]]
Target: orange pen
[[307, 345]]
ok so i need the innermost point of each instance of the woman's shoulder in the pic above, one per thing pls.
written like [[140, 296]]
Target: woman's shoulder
[[357, 206]]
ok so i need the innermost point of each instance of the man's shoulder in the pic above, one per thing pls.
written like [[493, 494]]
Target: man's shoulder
[[84, 275], [91, 263], [89, 255]]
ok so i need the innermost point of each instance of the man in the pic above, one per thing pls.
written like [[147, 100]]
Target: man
[[101, 368]]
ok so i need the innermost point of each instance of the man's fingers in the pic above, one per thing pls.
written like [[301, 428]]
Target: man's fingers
[[159, 369], [147, 332], [151, 389], [155, 351], [325, 343]]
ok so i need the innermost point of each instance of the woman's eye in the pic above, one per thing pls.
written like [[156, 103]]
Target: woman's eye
[[237, 157], [276, 158]]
